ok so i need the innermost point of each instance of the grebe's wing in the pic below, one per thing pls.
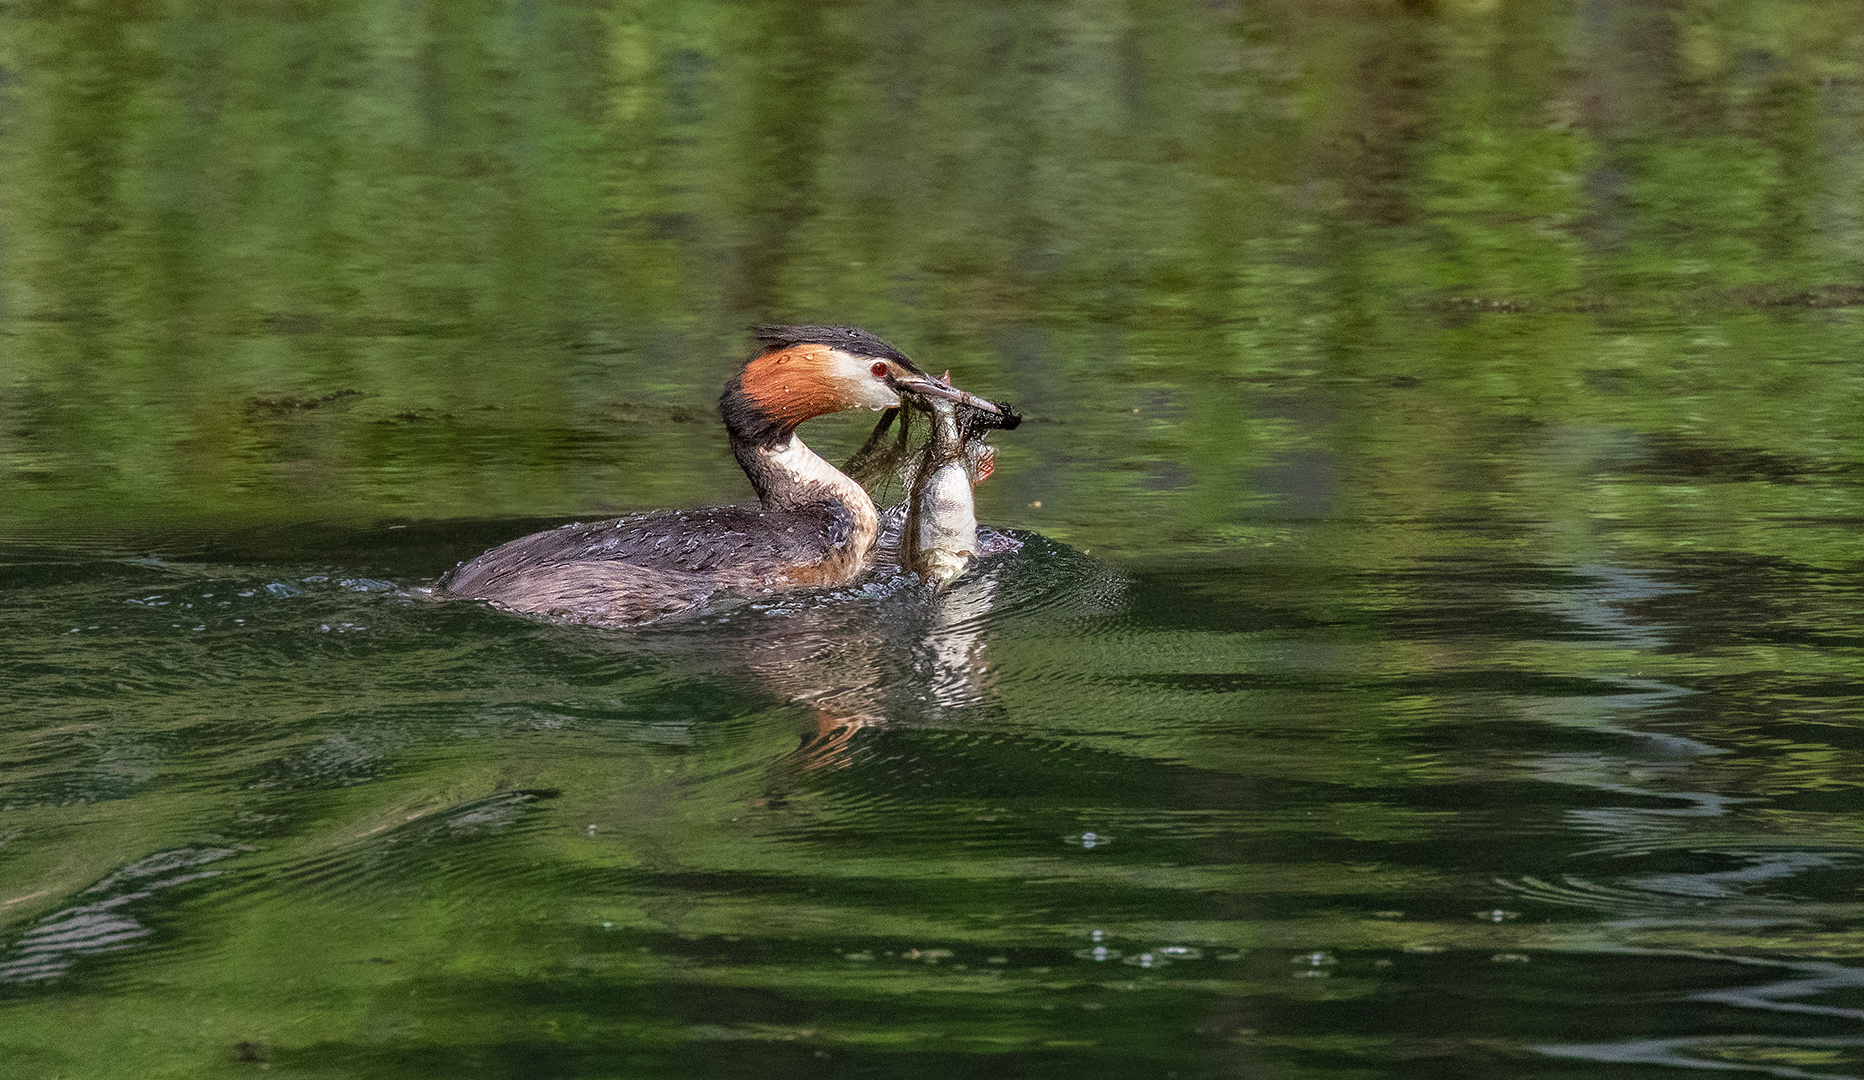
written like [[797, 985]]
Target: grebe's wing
[[730, 543]]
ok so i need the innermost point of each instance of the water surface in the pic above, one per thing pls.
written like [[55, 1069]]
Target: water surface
[[1434, 650]]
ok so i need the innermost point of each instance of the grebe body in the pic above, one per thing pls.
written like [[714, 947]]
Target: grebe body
[[813, 526]]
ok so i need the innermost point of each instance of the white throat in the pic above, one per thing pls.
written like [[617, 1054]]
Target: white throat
[[807, 478]]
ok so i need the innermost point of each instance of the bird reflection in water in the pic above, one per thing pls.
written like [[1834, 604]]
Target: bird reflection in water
[[858, 668], [932, 657]]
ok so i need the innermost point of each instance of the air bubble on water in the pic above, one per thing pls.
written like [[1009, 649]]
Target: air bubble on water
[[1098, 954], [1314, 965], [1497, 915]]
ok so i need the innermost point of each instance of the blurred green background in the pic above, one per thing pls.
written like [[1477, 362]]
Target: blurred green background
[[272, 262]]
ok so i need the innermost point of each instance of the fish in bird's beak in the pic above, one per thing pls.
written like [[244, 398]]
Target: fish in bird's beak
[[918, 382]]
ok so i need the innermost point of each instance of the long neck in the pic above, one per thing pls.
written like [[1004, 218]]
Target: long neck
[[789, 476], [786, 474]]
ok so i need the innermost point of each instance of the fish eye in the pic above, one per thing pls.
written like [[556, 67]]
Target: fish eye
[[879, 369]]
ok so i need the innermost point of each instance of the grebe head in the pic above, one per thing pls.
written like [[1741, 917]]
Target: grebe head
[[808, 371]]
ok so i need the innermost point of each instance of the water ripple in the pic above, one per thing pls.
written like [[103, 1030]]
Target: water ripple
[[58, 941], [1717, 1053]]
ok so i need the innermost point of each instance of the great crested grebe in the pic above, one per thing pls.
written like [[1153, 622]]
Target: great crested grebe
[[813, 526]]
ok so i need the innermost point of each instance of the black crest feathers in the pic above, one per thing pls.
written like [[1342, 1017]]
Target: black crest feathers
[[848, 339]]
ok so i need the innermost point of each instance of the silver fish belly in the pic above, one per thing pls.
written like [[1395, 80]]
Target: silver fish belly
[[933, 532], [940, 537]]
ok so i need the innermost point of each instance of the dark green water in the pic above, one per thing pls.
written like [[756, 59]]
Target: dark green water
[[1435, 651]]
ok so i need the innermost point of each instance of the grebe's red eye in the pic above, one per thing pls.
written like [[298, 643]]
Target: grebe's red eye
[[879, 369]]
